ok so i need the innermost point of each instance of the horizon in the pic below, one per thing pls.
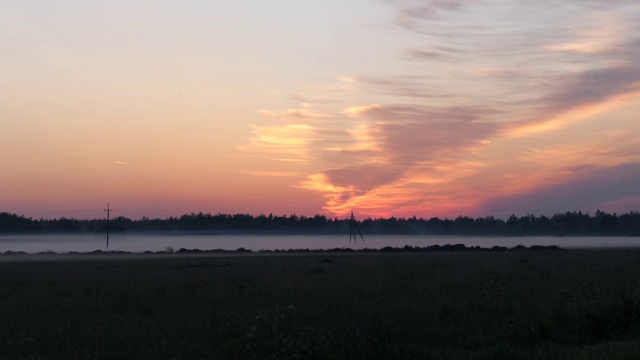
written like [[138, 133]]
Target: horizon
[[426, 108], [331, 218]]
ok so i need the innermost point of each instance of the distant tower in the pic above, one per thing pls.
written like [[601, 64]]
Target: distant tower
[[108, 210], [353, 226]]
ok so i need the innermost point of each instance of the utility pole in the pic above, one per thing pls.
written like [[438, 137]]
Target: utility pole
[[353, 226], [108, 210]]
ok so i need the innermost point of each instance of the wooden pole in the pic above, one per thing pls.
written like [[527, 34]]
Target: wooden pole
[[108, 210], [353, 226]]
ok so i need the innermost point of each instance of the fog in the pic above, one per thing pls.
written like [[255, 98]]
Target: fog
[[140, 243]]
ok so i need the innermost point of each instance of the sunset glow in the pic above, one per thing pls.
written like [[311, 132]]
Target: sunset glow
[[384, 108]]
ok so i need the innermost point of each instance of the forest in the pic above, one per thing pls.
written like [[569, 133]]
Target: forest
[[560, 224]]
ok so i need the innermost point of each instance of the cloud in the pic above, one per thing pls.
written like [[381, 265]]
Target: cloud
[[348, 79], [362, 178], [311, 99], [295, 114], [359, 110], [270, 173], [418, 86], [426, 54], [304, 114], [407, 195], [592, 191], [412, 112], [395, 148], [591, 87], [286, 142], [486, 107], [582, 93], [268, 113], [411, 12], [427, 140]]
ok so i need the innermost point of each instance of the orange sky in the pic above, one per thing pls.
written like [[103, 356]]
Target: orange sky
[[393, 108]]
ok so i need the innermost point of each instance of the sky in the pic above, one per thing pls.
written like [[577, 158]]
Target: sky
[[432, 108]]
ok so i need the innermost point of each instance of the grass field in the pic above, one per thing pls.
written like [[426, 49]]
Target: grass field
[[574, 304]]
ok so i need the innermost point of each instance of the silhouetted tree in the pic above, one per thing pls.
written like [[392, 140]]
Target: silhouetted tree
[[568, 223]]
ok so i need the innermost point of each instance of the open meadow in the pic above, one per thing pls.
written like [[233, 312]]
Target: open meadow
[[517, 304]]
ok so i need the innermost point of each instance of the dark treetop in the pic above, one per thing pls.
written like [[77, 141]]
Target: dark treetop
[[568, 223]]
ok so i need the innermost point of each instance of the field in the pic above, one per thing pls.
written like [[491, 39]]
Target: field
[[570, 304]]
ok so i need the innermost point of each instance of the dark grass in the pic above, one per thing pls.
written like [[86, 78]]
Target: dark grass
[[577, 304]]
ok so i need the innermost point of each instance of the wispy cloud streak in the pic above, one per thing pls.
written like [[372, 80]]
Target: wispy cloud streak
[[488, 105]]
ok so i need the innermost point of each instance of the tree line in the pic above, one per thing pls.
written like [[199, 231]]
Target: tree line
[[568, 223]]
